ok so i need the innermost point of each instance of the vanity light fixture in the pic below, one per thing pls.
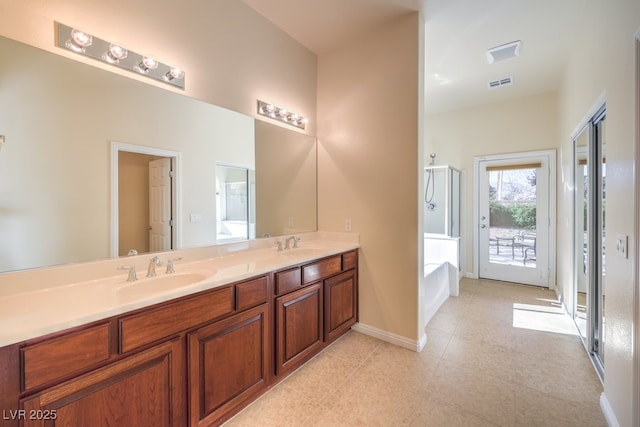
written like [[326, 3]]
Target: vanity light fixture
[[281, 114], [85, 44]]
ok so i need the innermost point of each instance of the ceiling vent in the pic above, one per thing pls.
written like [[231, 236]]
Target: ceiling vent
[[505, 51], [507, 81]]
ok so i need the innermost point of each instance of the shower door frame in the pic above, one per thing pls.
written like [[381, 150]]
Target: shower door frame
[[550, 258]]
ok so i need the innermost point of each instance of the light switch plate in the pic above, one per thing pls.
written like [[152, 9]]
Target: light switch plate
[[622, 245]]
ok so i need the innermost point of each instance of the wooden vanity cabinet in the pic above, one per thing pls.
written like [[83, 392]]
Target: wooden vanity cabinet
[[195, 360], [228, 365], [299, 327], [146, 389], [315, 303], [341, 304]]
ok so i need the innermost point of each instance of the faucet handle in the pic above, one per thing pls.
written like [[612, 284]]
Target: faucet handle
[[295, 242], [132, 277], [170, 265], [279, 245], [153, 263]]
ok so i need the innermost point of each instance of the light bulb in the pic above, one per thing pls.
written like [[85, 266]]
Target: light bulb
[[147, 64], [115, 54], [79, 40], [174, 73]]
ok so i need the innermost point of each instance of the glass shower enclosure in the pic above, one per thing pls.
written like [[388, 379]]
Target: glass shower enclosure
[[442, 201]]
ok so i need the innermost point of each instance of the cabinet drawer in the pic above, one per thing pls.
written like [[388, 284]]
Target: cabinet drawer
[[321, 269], [287, 281], [153, 325], [349, 260], [250, 294], [59, 357]]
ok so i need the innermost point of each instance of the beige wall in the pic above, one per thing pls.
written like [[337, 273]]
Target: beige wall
[[133, 202], [368, 166], [285, 181], [602, 62], [525, 124]]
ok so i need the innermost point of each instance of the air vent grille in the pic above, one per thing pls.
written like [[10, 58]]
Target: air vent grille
[[507, 81]]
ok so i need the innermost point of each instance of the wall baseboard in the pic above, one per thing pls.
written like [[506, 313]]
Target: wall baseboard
[[391, 337], [607, 410]]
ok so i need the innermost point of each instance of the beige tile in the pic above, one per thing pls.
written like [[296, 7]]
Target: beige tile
[[325, 417], [561, 378], [354, 346], [373, 398], [482, 395], [444, 322], [413, 370], [484, 358], [477, 369], [434, 413], [321, 376], [281, 406], [437, 342], [534, 408]]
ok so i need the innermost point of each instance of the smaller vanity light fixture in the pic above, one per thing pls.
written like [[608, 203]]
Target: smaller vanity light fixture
[[281, 114], [1, 141], [85, 44]]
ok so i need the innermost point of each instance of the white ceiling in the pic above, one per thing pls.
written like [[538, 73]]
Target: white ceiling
[[457, 35]]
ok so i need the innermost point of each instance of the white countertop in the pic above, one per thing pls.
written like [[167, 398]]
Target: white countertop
[[37, 302]]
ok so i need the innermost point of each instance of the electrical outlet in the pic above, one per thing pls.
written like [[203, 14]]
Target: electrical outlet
[[195, 217], [347, 225], [622, 245], [291, 221]]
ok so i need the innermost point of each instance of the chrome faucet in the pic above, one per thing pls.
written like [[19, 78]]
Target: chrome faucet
[[153, 262], [295, 242], [132, 277], [170, 268]]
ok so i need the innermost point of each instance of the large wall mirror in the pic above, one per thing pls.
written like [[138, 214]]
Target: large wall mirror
[[61, 119]]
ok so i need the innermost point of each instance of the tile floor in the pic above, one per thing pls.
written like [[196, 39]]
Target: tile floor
[[490, 360]]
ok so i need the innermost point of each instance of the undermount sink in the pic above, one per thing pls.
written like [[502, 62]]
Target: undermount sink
[[159, 284]]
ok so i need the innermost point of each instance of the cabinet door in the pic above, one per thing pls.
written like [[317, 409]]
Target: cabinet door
[[299, 327], [228, 365], [146, 389], [341, 299]]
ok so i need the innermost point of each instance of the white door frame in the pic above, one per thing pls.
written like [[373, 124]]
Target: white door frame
[[552, 208], [116, 147]]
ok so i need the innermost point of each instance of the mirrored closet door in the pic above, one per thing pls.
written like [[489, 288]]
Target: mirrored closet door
[[589, 231]]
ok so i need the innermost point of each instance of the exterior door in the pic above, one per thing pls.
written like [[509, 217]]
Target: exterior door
[[514, 217], [160, 205]]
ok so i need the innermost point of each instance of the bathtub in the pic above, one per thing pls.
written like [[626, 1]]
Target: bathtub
[[441, 275], [441, 281]]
